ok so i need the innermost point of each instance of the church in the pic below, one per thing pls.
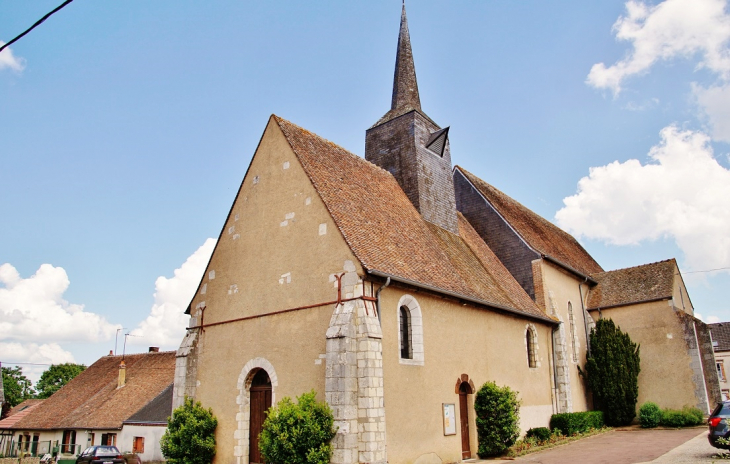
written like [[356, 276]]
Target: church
[[395, 285]]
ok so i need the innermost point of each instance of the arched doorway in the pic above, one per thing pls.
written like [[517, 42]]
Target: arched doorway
[[464, 387], [260, 403]]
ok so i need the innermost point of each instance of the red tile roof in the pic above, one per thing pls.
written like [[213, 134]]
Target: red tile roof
[[648, 282], [388, 235], [540, 234], [18, 412], [92, 400]]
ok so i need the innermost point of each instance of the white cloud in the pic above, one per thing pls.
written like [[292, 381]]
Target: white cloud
[[165, 326], [10, 61], [714, 102], [33, 309], [47, 353], [713, 319], [673, 28], [682, 194]]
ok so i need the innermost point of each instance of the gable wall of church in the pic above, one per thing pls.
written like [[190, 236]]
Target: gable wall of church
[[457, 339], [511, 250]]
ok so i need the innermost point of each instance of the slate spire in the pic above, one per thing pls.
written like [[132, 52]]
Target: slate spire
[[405, 87]]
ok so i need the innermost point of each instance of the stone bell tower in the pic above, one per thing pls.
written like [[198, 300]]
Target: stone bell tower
[[412, 147]]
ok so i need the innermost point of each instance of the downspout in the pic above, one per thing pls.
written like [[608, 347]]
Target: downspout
[[556, 391], [377, 297], [585, 317]]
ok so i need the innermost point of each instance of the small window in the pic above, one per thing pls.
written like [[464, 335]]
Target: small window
[[720, 370], [109, 439], [406, 338], [531, 355], [138, 445], [68, 444]]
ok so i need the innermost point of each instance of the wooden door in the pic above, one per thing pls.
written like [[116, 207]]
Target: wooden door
[[464, 390], [260, 403]]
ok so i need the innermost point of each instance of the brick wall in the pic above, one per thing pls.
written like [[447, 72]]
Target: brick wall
[[514, 253]]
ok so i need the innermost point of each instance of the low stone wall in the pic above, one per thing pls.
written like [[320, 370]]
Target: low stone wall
[[28, 460]]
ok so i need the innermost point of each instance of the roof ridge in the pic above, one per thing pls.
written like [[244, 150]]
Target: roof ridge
[[663, 261]]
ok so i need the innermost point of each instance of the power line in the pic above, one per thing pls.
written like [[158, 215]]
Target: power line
[[708, 270], [37, 23]]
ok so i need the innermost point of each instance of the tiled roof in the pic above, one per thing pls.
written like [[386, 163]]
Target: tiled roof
[[18, 412], [157, 410], [388, 235], [647, 282], [720, 334], [92, 400], [540, 234]]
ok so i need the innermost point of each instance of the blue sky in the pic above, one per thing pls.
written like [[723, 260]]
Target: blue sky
[[127, 127]]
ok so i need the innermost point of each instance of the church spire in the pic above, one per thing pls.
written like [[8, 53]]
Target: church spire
[[405, 87]]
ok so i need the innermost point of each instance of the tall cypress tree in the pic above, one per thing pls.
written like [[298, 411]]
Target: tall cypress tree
[[613, 373]]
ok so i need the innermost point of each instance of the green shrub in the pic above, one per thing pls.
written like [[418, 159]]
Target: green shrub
[[612, 373], [571, 423], [687, 417], [649, 415], [190, 435], [298, 433], [541, 433], [497, 417]]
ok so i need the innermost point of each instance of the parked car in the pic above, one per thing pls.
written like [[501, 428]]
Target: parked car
[[101, 454], [718, 423]]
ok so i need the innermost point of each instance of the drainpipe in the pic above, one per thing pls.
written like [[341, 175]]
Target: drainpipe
[[377, 297]]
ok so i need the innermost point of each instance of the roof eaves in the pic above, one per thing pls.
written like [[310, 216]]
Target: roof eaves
[[463, 297], [569, 269]]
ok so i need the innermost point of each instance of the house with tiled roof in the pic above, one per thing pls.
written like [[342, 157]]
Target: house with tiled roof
[[394, 286], [118, 400], [721, 346]]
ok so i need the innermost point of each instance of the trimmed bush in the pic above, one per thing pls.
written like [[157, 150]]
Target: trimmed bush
[[190, 435], [612, 373], [650, 415], [571, 423], [687, 417], [298, 433], [497, 416], [541, 433]]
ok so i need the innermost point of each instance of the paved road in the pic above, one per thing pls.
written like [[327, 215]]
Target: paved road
[[632, 446]]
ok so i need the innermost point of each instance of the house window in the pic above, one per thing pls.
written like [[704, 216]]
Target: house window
[[109, 439], [721, 370], [138, 445], [406, 348], [572, 332], [410, 331], [68, 443], [530, 338]]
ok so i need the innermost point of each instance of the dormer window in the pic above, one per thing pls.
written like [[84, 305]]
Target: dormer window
[[437, 142]]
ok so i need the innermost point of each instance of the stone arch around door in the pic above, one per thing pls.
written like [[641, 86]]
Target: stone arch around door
[[243, 418], [464, 387]]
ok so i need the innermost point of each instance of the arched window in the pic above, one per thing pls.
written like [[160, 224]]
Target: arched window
[[410, 331], [531, 348], [571, 318], [406, 339]]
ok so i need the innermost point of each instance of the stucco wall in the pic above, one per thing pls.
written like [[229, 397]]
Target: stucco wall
[[458, 340], [667, 373], [561, 288], [151, 434]]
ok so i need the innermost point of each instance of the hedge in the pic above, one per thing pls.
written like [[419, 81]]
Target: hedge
[[570, 423]]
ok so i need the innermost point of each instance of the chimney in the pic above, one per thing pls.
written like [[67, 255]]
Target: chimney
[[154, 349], [122, 375], [111, 353]]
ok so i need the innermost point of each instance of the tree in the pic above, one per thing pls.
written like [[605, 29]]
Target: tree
[[56, 377], [16, 386], [498, 415], [612, 373], [190, 435], [298, 433]]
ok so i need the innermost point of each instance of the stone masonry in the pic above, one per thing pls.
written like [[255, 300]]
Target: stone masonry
[[354, 377]]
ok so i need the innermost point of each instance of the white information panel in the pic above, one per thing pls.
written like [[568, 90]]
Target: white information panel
[[449, 419]]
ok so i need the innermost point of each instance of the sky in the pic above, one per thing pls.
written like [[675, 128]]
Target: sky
[[127, 126]]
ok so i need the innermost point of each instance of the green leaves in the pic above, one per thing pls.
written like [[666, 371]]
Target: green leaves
[[612, 373], [298, 433], [497, 417], [16, 386], [56, 377], [190, 435]]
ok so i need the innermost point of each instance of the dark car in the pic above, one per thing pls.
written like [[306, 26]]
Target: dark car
[[718, 422], [101, 454]]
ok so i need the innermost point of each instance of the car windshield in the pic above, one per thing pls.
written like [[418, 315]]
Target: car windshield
[[107, 451]]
